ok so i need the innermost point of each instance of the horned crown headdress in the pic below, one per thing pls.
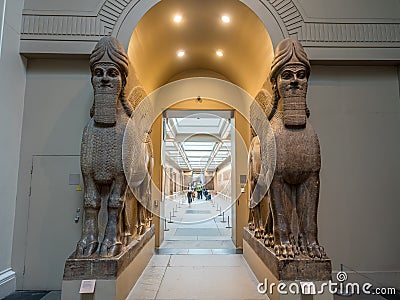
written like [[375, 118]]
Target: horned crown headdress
[[109, 49], [288, 51]]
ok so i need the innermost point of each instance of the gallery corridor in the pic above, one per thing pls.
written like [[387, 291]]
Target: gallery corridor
[[197, 260]]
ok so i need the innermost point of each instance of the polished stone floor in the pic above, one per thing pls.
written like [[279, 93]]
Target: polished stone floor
[[200, 225], [212, 276], [197, 259]]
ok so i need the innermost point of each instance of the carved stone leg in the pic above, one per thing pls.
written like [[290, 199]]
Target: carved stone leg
[[269, 234], [259, 230], [307, 206], [280, 205], [125, 224], [251, 220], [140, 222], [112, 244], [88, 243], [149, 208]]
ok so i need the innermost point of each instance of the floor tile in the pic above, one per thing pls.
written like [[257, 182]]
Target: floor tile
[[148, 284], [207, 283], [200, 251], [233, 260], [159, 261]]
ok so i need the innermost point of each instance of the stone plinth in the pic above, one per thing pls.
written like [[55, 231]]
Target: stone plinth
[[266, 266], [300, 268], [115, 276]]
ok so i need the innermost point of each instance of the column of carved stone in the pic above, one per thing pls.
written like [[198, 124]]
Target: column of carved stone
[[101, 159], [116, 165], [285, 193]]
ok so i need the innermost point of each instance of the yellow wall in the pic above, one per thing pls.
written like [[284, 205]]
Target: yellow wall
[[156, 135], [242, 127]]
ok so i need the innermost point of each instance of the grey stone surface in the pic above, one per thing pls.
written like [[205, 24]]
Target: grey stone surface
[[300, 268], [102, 161], [284, 202], [105, 268]]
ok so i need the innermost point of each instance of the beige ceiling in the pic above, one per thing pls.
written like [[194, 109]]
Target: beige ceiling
[[244, 41]]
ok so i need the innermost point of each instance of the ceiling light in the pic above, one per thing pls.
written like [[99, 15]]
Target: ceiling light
[[177, 18], [225, 19], [219, 53], [180, 53]]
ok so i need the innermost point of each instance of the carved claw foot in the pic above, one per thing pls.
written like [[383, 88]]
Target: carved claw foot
[[251, 226], [284, 250], [314, 251], [294, 244], [258, 233], [311, 249], [283, 244], [269, 240], [109, 249], [86, 246]]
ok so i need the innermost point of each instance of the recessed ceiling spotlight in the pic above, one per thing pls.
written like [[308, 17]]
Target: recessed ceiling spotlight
[[219, 53], [177, 18], [225, 19], [180, 53]]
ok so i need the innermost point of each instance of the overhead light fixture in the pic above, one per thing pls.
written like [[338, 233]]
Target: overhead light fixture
[[225, 19], [177, 18], [219, 53], [180, 53]]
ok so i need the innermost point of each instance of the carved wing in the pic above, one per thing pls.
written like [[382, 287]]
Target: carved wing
[[259, 122]]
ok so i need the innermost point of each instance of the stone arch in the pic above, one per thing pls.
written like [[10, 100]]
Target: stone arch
[[281, 18]]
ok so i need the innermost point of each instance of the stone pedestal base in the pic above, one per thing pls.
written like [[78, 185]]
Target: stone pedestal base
[[299, 279], [115, 277]]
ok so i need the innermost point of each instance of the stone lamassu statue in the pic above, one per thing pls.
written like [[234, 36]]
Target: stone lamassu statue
[[291, 203], [101, 155]]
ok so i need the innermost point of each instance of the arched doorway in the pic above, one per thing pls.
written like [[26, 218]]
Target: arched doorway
[[216, 95], [197, 141], [219, 50]]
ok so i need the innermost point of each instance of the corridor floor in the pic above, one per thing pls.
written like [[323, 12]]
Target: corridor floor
[[197, 259]]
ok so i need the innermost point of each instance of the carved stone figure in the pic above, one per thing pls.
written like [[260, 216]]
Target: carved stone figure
[[287, 214], [101, 156]]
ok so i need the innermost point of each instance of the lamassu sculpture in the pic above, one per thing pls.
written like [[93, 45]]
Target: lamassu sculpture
[[286, 215], [101, 157]]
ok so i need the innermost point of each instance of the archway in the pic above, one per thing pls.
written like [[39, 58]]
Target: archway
[[218, 95], [233, 77]]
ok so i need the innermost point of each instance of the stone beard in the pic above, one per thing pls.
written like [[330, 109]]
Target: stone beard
[[107, 86], [292, 86]]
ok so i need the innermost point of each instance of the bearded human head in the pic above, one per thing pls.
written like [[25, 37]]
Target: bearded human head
[[110, 50], [290, 61], [288, 51], [109, 67]]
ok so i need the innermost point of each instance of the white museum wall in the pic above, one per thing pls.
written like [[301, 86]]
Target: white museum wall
[[355, 111], [57, 102], [12, 87]]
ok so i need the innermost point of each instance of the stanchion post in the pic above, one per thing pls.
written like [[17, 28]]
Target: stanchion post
[[165, 225], [223, 217], [228, 224], [170, 218]]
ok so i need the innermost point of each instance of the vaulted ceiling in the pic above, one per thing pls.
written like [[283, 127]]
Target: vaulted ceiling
[[196, 140], [244, 43]]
